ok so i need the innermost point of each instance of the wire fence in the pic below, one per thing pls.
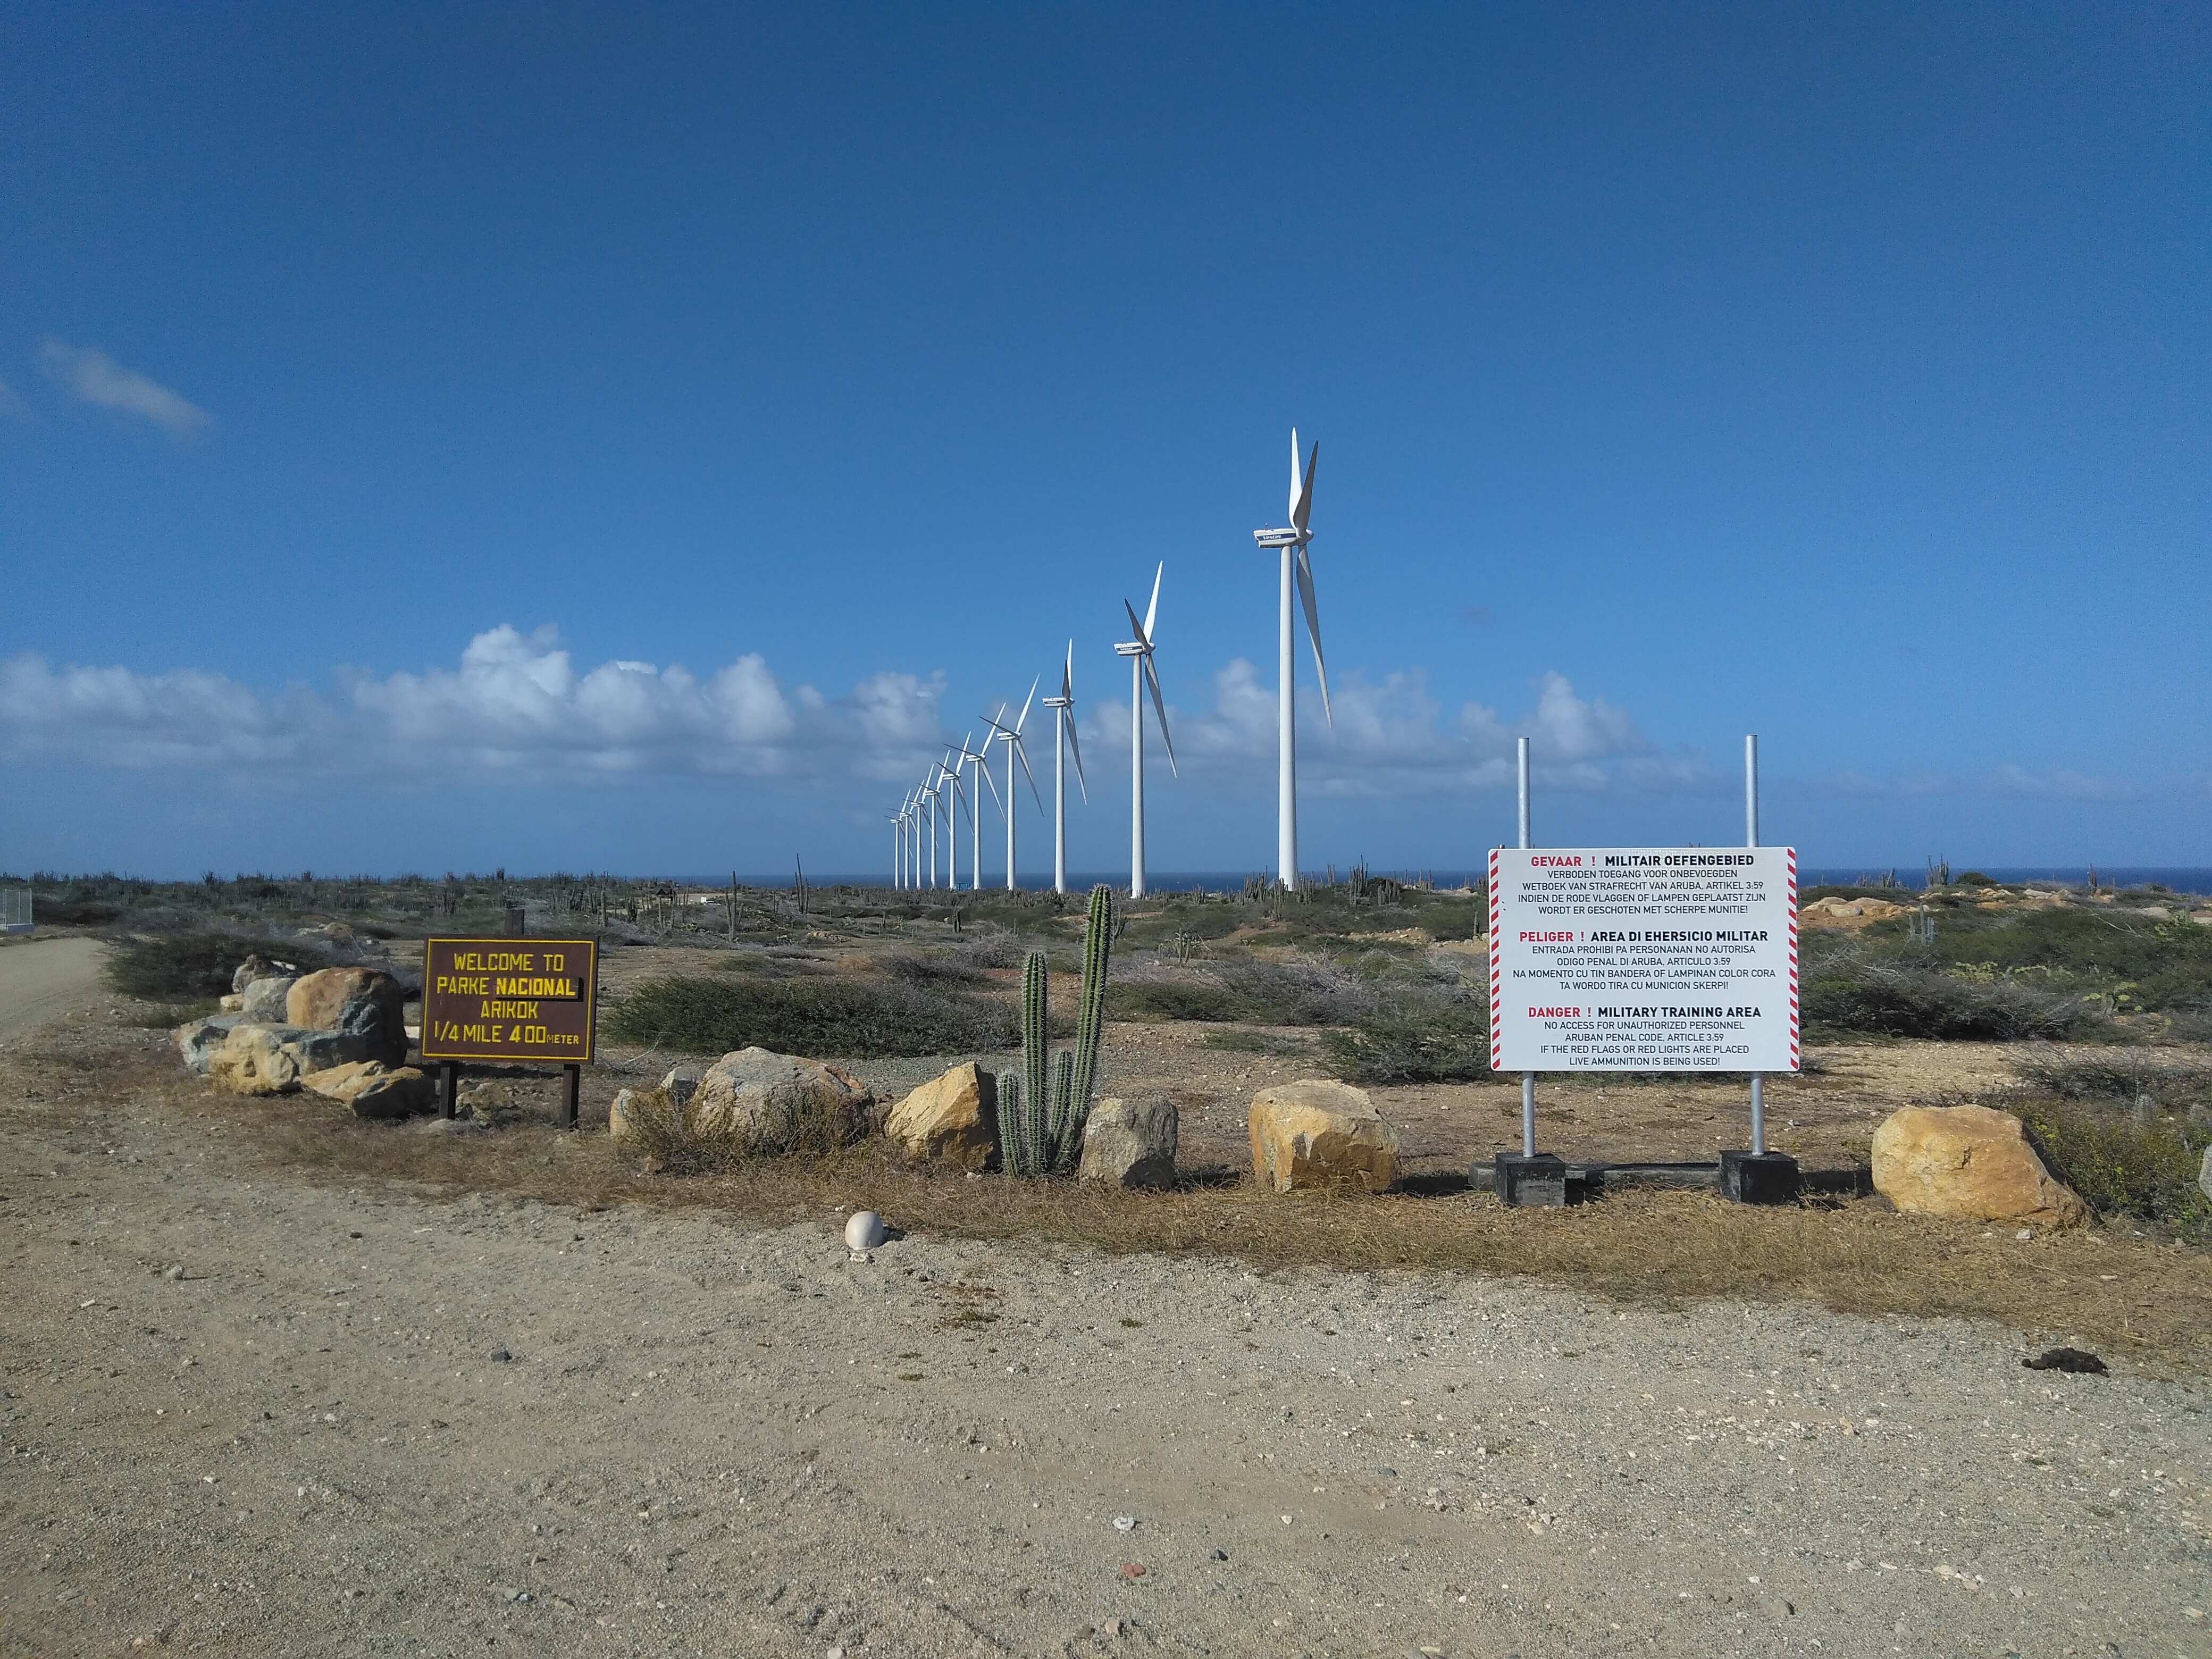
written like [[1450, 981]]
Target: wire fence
[[14, 909]]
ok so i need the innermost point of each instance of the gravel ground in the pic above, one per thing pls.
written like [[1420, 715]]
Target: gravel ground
[[246, 1413]]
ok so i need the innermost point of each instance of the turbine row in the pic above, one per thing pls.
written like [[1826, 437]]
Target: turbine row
[[943, 784]]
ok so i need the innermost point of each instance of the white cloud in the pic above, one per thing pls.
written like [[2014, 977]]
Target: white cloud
[[114, 717], [516, 708], [1392, 739], [93, 377]]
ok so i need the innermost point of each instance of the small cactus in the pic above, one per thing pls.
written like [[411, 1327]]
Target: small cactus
[[1043, 1108]]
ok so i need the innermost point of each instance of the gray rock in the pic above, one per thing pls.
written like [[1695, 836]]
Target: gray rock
[[1130, 1143], [320, 1050], [198, 1039], [772, 1102], [256, 968], [2204, 1173], [264, 999], [683, 1082]]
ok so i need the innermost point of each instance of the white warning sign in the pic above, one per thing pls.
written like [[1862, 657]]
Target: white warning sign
[[1643, 959]]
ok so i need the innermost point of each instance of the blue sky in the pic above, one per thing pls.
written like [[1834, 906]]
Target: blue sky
[[575, 437]]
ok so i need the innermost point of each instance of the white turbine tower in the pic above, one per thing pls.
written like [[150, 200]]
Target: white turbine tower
[[912, 839], [1138, 651], [948, 786], [1063, 740], [977, 759], [1012, 737], [898, 847], [1292, 543], [926, 795]]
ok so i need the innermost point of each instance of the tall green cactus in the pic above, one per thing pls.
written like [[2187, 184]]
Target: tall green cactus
[[1043, 1111]]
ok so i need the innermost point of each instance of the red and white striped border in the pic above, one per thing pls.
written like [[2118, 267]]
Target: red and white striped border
[[1795, 1057], [1497, 1017]]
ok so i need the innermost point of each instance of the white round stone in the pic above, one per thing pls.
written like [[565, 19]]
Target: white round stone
[[864, 1231]]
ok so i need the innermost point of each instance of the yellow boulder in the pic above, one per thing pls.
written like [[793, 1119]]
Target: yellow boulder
[[1316, 1133], [1970, 1162], [952, 1118]]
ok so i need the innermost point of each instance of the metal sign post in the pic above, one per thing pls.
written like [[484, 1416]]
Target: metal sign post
[[1534, 1178], [1759, 1177]]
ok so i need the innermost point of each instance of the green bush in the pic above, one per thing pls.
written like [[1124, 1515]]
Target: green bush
[[853, 1018], [1174, 999], [1417, 1039], [1904, 1000], [2119, 1165]]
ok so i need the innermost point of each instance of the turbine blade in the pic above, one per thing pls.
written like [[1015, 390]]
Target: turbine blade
[[1021, 754], [1136, 627], [1301, 494], [1313, 628], [984, 772], [1076, 749], [1026, 701], [1152, 611], [1067, 675], [1152, 679]]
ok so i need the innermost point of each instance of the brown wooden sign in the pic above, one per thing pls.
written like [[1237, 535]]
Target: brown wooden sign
[[510, 998]]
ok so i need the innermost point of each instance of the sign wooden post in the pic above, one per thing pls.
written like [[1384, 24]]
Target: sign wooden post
[[514, 1001]]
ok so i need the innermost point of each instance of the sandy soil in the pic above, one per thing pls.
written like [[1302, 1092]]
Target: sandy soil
[[43, 978], [247, 1413]]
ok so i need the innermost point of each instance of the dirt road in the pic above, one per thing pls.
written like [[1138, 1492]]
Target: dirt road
[[40, 979], [248, 1414]]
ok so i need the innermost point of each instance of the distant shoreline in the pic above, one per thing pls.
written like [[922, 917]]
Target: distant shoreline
[[2180, 879]]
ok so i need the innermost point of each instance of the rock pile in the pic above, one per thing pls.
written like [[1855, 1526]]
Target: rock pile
[[338, 1032]]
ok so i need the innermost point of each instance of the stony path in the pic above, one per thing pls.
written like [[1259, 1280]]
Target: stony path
[[249, 1415], [42, 979]]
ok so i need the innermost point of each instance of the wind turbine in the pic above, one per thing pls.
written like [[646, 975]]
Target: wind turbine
[[1063, 739], [976, 757], [1012, 737], [926, 795], [1138, 651], [913, 841], [1292, 542], [898, 847], [948, 784]]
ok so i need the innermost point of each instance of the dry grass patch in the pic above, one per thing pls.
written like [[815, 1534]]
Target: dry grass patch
[[2150, 1303]]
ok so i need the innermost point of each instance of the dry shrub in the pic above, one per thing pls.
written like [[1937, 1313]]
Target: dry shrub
[[840, 1014], [2120, 1165], [668, 1137]]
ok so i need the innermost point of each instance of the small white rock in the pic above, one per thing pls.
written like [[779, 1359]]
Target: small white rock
[[2024, 1234], [864, 1231], [1125, 1523]]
